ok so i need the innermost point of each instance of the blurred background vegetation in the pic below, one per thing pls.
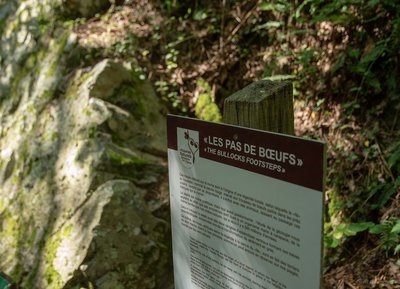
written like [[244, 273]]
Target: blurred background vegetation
[[343, 59]]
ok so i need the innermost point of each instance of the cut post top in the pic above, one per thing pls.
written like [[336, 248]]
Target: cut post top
[[264, 104]]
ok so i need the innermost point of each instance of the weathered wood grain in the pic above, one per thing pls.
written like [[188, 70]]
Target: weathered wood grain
[[265, 105]]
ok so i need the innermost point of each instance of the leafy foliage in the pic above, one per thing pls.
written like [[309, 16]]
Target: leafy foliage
[[342, 57], [388, 231]]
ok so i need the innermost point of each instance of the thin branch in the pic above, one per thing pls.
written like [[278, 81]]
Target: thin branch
[[385, 164], [242, 22], [221, 38], [351, 285]]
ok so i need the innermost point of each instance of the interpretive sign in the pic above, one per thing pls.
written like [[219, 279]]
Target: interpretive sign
[[246, 207], [5, 282]]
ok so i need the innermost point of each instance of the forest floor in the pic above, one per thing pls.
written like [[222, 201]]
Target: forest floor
[[180, 51]]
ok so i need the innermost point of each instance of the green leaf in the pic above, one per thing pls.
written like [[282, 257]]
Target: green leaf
[[388, 190], [335, 243], [373, 3], [200, 15], [339, 63], [338, 234], [354, 53], [359, 227], [301, 6], [396, 228], [268, 25], [374, 188], [374, 54], [394, 157], [265, 6], [377, 229], [397, 249], [374, 82], [320, 102]]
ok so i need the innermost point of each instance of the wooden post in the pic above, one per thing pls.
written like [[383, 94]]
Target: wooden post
[[264, 105]]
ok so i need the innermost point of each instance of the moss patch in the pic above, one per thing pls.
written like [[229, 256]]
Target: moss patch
[[206, 108], [52, 276], [130, 98], [119, 158], [10, 224]]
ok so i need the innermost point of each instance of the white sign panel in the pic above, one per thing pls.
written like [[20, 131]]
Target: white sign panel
[[246, 207]]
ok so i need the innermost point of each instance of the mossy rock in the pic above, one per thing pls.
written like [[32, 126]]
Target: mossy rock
[[79, 150], [206, 108]]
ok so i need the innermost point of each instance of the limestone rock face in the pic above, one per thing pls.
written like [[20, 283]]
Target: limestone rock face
[[81, 150], [122, 241]]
